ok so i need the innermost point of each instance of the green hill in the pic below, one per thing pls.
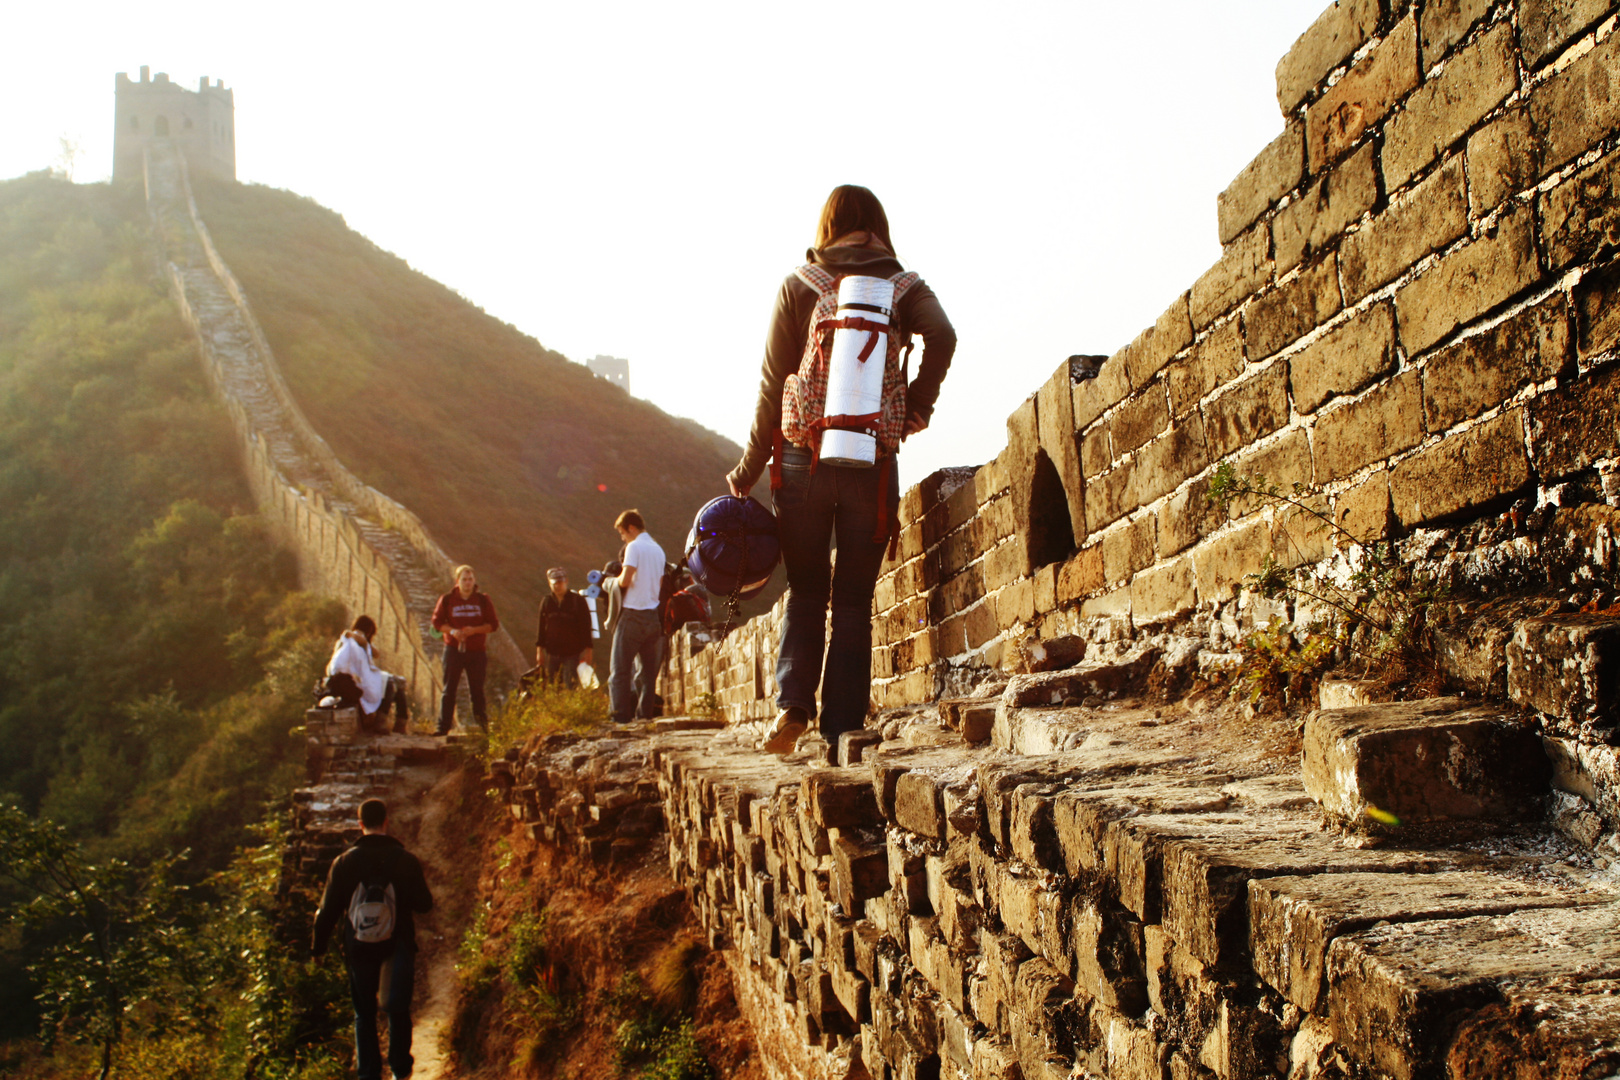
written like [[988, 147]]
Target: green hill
[[516, 458]]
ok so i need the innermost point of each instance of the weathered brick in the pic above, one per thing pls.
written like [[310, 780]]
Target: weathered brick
[[1442, 111], [1597, 312], [990, 480], [1364, 96], [958, 594], [1285, 462], [1462, 472], [1140, 420], [1005, 562], [1329, 206], [1082, 574], [1364, 511], [1331, 40], [1216, 361], [1163, 464], [1443, 23], [1546, 26], [1112, 496], [1164, 592], [1345, 359], [1222, 563], [1116, 604], [1093, 397], [1244, 266], [1146, 356], [1482, 371], [1015, 604], [951, 637], [981, 627], [1386, 421], [1187, 517], [1096, 451], [1425, 219], [1273, 173], [1247, 411], [1577, 424], [1468, 282], [1504, 157], [1578, 106], [1293, 309], [1046, 588], [1581, 216], [1129, 548]]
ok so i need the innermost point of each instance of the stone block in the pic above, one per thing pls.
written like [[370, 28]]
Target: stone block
[[1345, 359], [1447, 107], [1546, 26], [1163, 464], [859, 873], [980, 628], [1578, 106], [1364, 510], [1110, 605], [1284, 462], [1597, 312], [989, 481], [1096, 451], [1244, 266], [1398, 990], [842, 799], [1443, 23], [1082, 575], [1247, 411], [1129, 548], [1273, 173], [1484, 370], [1216, 361], [1320, 215], [1434, 760], [1139, 420], [1565, 1030], [1576, 424], [1005, 562], [1187, 517], [1223, 563], [1504, 157], [1293, 309], [1045, 587], [1015, 604], [1331, 40], [1423, 220], [1566, 666], [1045, 998], [1293, 920], [1055, 416], [1368, 91], [1152, 349], [1463, 472], [1093, 397], [917, 804], [1163, 593], [1384, 421], [1581, 216]]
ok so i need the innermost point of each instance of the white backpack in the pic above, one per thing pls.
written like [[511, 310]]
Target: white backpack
[[371, 912]]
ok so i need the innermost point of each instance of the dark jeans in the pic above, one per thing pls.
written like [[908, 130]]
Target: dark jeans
[[835, 504], [474, 663], [638, 641], [365, 975], [562, 669]]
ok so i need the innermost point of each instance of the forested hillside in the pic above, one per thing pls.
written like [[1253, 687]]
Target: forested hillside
[[515, 458]]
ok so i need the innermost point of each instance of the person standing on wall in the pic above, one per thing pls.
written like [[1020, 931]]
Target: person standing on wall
[[466, 618], [375, 888], [819, 506], [563, 641], [638, 639]]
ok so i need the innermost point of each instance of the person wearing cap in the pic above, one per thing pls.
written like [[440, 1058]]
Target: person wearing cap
[[563, 640]]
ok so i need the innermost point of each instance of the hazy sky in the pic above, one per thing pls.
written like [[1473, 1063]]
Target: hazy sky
[[636, 178]]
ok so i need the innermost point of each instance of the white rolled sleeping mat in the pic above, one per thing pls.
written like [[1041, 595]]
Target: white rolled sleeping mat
[[855, 371]]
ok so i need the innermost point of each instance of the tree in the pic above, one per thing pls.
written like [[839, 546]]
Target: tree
[[113, 930]]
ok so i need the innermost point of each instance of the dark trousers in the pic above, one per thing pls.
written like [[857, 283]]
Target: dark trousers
[[365, 976], [638, 648], [562, 669], [474, 663], [813, 511]]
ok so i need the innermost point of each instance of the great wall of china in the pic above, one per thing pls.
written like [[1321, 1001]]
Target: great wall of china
[[1040, 860]]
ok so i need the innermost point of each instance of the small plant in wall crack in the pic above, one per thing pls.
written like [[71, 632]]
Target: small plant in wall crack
[[1376, 604]]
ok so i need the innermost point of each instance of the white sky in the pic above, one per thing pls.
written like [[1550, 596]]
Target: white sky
[[636, 178]]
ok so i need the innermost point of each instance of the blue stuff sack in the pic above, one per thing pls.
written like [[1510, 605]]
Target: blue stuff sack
[[733, 548]]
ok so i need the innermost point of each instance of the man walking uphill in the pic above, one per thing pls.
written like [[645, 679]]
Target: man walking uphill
[[638, 640], [375, 887]]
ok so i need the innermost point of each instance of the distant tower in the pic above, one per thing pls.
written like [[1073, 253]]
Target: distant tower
[[611, 368], [200, 123]]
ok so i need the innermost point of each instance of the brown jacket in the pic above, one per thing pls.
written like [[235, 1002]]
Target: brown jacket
[[920, 313]]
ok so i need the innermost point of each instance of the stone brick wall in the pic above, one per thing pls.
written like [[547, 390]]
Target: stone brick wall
[[1412, 318]]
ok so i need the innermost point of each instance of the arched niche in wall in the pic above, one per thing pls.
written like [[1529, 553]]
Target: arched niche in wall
[[1050, 538], [160, 126]]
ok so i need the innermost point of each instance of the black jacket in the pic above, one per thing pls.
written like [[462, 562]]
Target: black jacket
[[373, 856], [565, 626]]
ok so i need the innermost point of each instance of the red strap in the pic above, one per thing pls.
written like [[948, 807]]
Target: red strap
[[776, 460], [863, 423], [855, 322], [888, 526]]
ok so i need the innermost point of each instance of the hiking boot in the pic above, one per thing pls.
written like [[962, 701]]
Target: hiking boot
[[791, 722]]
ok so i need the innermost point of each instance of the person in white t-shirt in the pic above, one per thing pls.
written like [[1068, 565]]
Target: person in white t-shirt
[[638, 640]]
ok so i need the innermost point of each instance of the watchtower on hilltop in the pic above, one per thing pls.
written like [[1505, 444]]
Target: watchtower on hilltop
[[201, 123]]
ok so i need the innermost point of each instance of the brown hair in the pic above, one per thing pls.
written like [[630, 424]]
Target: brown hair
[[630, 519], [850, 208]]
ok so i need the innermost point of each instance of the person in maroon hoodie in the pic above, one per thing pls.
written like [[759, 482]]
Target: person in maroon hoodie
[[466, 618]]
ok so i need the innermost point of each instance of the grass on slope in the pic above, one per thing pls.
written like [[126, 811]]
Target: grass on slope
[[496, 442]]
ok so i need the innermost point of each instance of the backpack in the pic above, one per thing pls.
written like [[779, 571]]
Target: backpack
[[684, 607], [371, 911], [341, 686], [804, 394]]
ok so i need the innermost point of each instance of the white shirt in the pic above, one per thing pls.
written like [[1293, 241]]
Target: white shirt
[[647, 557], [354, 660]]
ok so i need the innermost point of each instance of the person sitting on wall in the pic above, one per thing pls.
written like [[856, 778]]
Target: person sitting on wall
[[352, 676], [466, 618], [563, 640]]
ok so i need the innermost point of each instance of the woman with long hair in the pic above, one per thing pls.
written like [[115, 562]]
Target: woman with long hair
[[821, 505]]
